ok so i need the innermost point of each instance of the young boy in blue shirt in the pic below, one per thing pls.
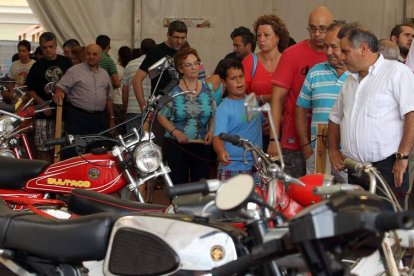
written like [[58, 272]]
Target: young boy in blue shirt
[[230, 118]]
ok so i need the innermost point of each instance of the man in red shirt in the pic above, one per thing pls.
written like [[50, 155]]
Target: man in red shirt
[[287, 81]]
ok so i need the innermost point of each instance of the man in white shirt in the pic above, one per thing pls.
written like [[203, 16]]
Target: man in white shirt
[[373, 117]]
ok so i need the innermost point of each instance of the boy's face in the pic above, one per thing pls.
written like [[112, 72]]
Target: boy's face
[[235, 83]]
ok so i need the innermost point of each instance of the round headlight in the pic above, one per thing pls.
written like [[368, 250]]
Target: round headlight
[[147, 156], [6, 153], [6, 124]]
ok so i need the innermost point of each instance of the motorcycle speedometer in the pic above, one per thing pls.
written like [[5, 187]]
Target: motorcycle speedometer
[[147, 156]]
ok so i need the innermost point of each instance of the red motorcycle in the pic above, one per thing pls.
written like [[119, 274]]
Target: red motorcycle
[[284, 193], [15, 122], [133, 160]]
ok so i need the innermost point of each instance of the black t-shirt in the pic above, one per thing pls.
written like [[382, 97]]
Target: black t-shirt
[[160, 51], [44, 71]]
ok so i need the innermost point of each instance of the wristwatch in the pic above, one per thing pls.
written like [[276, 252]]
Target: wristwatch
[[400, 156]]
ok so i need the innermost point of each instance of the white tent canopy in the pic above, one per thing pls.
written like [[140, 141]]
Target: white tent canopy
[[127, 22]]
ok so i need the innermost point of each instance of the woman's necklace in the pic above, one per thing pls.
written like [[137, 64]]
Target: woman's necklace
[[186, 86], [193, 95]]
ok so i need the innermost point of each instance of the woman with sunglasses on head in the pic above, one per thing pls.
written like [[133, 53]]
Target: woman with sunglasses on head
[[188, 121]]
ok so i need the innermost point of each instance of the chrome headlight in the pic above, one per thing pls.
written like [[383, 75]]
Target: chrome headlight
[[6, 124], [147, 156], [6, 153]]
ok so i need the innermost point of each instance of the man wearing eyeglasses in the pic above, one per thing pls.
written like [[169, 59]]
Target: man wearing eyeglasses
[[318, 94], [176, 37], [287, 81]]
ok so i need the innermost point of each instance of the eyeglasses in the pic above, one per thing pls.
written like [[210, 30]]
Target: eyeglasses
[[321, 29], [188, 65]]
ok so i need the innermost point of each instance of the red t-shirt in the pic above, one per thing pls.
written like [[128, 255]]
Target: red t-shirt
[[261, 83], [290, 73]]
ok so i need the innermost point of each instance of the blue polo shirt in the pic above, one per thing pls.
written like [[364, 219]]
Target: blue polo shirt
[[319, 92]]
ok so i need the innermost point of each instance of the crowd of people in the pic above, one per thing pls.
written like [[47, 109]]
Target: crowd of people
[[341, 76]]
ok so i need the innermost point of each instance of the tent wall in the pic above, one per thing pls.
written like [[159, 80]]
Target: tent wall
[[129, 21]]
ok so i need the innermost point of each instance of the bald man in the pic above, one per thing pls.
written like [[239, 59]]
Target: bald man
[[389, 49], [287, 81], [88, 90]]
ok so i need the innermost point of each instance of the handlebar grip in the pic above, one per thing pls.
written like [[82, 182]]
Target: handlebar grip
[[353, 165], [57, 141], [390, 220], [329, 190], [41, 105], [7, 107], [190, 188], [234, 267], [234, 139]]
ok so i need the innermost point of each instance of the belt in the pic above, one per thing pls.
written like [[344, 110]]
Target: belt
[[84, 110]]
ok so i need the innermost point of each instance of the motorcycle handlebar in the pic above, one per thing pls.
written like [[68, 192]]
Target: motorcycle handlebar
[[390, 220], [329, 190], [260, 254], [238, 266], [7, 107], [57, 141], [203, 186], [234, 139], [354, 165]]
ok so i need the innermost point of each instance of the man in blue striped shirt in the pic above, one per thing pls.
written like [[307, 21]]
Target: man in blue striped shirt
[[318, 94]]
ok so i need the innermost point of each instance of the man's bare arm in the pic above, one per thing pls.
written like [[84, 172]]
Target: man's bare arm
[[116, 82], [334, 140], [277, 99], [138, 88], [302, 129]]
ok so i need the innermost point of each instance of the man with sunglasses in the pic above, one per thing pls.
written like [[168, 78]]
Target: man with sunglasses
[[287, 81], [176, 38]]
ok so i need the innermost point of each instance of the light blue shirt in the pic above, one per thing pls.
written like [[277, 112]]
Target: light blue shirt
[[231, 119], [319, 92]]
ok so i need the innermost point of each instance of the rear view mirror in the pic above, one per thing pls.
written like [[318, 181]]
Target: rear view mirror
[[250, 106], [235, 192]]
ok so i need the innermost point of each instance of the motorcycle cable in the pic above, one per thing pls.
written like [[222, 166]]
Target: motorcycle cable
[[278, 217], [80, 153]]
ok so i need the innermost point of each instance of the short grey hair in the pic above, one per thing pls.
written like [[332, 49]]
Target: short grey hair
[[389, 49], [357, 35]]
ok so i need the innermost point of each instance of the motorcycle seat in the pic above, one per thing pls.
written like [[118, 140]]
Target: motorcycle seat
[[201, 206], [84, 202], [14, 173], [74, 240]]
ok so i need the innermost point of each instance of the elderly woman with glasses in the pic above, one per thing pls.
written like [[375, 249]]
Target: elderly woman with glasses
[[188, 121]]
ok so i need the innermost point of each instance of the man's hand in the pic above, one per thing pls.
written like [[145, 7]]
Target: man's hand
[[336, 159], [272, 150], [209, 138], [59, 95], [399, 168], [307, 151], [224, 157]]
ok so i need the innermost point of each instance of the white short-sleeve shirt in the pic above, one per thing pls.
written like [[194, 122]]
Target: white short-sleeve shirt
[[371, 112]]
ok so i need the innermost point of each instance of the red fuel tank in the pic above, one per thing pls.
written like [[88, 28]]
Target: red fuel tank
[[98, 172], [304, 195]]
